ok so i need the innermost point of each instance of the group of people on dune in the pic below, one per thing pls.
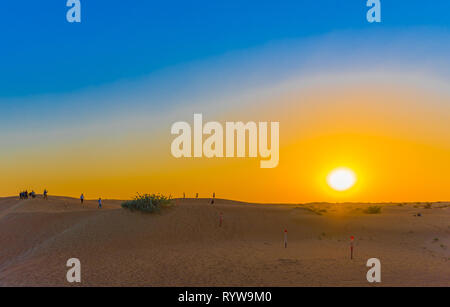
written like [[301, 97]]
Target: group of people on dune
[[99, 200], [32, 194], [196, 196], [25, 194]]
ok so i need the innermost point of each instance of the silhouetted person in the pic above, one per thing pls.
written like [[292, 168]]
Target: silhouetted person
[[82, 198], [184, 196], [45, 193], [213, 198], [100, 203], [196, 195]]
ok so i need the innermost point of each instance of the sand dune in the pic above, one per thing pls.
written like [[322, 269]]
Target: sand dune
[[184, 245]]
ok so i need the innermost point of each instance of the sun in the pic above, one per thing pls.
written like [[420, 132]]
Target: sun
[[341, 179]]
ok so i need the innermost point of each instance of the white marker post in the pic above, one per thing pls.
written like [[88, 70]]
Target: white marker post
[[285, 238]]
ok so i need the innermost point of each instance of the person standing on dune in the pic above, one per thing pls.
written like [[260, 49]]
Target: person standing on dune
[[213, 198], [82, 198], [100, 203], [45, 193]]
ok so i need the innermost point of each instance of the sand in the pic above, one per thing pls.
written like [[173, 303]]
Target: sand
[[185, 246]]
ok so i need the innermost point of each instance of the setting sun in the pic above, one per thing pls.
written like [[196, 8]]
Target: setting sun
[[341, 179]]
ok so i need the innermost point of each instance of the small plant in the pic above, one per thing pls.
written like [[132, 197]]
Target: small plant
[[427, 206], [148, 203], [314, 210], [373, 210], [435, 239], [318, 211]]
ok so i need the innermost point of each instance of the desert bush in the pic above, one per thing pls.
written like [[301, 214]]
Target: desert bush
[[373, 210], [148, 203], [314, 210]]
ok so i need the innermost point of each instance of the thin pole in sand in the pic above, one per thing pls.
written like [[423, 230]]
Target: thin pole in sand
[[285, 238], [351, 247]]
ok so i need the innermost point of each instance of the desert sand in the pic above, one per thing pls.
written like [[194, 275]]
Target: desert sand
[[185, 246]]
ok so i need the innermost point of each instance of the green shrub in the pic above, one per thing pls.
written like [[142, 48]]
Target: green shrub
[[148, 203], [373, 210]]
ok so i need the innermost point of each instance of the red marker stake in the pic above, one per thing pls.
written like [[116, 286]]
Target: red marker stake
[[351, 247], [285, 238]]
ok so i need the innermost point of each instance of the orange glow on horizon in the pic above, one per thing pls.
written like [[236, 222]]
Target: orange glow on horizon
[[398, 146]]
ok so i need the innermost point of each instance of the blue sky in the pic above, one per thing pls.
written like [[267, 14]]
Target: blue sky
[[42, 53]]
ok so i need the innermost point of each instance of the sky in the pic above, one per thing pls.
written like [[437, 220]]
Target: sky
[[87, 107]]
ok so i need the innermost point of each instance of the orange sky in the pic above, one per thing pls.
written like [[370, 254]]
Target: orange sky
[[394, 135]]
